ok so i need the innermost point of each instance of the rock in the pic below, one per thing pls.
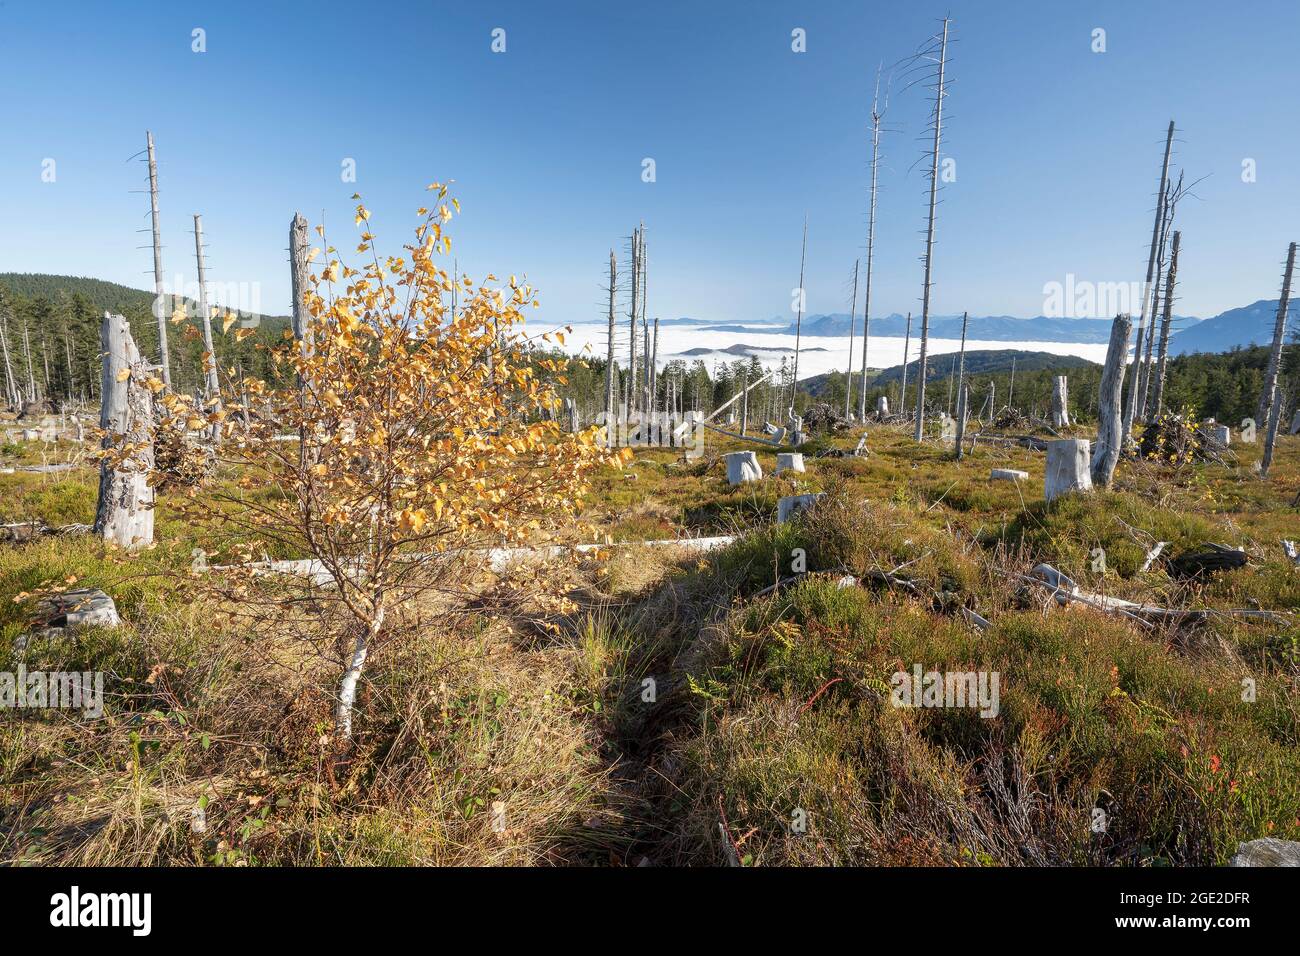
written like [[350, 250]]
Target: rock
[[1008, 474], [789, 461], [743, 466], [1267, 851], [83, 607], [787, 508], [1068, 462]]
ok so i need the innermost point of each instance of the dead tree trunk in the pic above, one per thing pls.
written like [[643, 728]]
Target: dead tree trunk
[[210, 386], [609, 355], [1158, 401], [15, 397], [1110, 428], [1060, 402], [907, 347], [631, 353], [1151, 265], [876, 116], [160, 308], [1274, 417], [798, 322], [929, 237], [848, 368], [963, 407], [124, 514], [1267, 398]]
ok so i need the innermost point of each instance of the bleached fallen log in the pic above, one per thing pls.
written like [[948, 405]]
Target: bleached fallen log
[[1008, 474], [1065, 590], [1153, 554], [496, 559]]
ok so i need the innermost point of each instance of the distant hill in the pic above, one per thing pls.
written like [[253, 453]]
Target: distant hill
[[989, 328], [978, 362], [1249, 325], [104, 296]]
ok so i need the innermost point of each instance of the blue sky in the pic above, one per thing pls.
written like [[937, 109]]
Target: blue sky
[[1056, 147]]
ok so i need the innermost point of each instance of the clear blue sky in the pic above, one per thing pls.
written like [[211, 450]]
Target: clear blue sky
[[1057, 147]]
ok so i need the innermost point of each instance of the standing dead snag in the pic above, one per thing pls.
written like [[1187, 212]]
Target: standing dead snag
[[1110, 429], [160, 310], [1158, 401], [1060, 402], [929, 235], [1151, 265], [876, 116], [124, 514], [609, 355], [1267, 397], [798, 322], [1274, 416]]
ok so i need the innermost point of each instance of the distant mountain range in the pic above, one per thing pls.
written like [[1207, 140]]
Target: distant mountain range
[[1241, 327], [978, 362], [1249, 325]]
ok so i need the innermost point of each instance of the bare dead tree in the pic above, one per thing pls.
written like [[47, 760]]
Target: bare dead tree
[[907, 348], [160, 310], [848, 369], [1158, 400], [937, 124], [1268, 399], [877, 117], [1151, 265], [631, 353], [963, 395], [609, 353], [798, 322]]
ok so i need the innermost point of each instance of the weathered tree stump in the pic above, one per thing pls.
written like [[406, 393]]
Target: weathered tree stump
[[1110, 430], [1067, 467], [789, 461], [124, 514], [1060, 402], [1222, 434], [1267, 851], [743, 466], [882, 406], [788, 507]]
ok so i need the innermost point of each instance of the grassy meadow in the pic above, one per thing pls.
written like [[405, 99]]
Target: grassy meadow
[[679, 709]]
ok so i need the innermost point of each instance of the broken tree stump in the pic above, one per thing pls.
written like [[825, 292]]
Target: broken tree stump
[[743, 466], [789, 461], [787, 508], [1067, 467], [1060, 402], [1110, 429], [124, 514]]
